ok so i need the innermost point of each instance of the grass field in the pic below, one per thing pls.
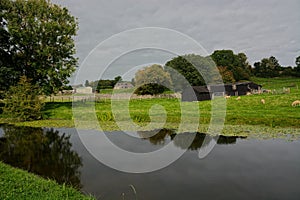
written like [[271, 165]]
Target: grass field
[[278, 83], [17, 184], [277, 112]]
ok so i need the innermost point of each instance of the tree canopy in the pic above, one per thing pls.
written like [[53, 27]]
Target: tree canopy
[[152, 80], [297, 68], [184, 70], [105, 83], [237, 64], [226, 74], [37, 42], [297, 62], [267, 68]]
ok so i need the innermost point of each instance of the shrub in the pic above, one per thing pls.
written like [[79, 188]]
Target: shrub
[[151, 89], [23, 101], [152, 80], [106, 116]]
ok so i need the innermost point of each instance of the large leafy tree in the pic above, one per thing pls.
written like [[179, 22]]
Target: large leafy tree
[[7, 71], [183, 73], [237, 64], [191, 70], [227, 75], [36, 42], [152, 80]]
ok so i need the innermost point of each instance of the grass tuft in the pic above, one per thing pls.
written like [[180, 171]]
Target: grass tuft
[[18, 184]]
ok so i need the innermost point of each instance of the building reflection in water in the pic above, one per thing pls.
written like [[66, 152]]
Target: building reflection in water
[[182, 140]]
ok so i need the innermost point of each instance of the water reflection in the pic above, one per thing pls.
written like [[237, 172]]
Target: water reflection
[[42, 151], [182, 140], [230, 172], [48, 153]]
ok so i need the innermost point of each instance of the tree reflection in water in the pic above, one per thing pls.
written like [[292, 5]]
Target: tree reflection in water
[[182, 140], [42, 151]]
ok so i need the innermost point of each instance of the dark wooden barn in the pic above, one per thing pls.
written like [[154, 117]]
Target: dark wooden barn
[[240, 89], [201, 93], [195, 93]]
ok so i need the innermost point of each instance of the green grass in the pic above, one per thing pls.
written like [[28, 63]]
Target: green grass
[[277, 112], [58, 110], [150, 113], [18, 184], [278, 83]]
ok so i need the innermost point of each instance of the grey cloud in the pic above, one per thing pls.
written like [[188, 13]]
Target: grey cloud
[[258, 28]]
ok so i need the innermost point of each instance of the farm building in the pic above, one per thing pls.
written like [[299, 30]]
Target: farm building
[[195, 93], [123, 85], [84, 90], [201, 93]]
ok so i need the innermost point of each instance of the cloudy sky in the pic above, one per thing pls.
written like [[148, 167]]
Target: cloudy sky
[[257, 28]]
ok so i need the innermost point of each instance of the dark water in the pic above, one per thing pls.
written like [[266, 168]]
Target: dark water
[[236, 168]]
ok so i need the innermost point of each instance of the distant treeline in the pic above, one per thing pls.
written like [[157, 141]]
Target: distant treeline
[[235, 67], [184, 70], [270, 67], [103, 83]]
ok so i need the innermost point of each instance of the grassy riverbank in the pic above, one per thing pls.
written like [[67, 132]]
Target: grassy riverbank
[[18, 184], [241, 115]]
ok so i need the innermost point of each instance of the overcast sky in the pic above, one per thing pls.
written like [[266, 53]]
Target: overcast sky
[[257, 28]]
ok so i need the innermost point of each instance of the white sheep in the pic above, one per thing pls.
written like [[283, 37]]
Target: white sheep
[[227, 97], [296, 103], [238, 98]]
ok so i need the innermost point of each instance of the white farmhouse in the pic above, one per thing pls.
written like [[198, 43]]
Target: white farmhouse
[[84, 90]]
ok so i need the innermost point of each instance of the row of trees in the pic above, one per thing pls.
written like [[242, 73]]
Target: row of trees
[[196, 70], [270, 67], [103, 83]]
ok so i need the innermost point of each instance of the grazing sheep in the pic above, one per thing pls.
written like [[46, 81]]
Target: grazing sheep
[[267, 91], [296, 103], [238, 98], [287, 90], [227, 97], [263, 101]]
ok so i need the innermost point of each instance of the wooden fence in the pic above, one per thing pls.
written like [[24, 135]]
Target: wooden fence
[[105, 97]]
